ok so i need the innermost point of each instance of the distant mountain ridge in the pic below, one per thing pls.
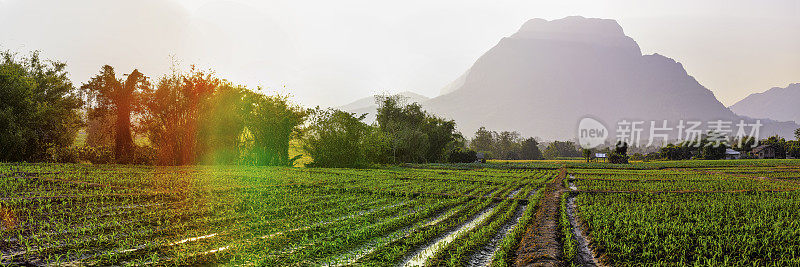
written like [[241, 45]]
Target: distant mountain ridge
[[781, 104], [543, 79]]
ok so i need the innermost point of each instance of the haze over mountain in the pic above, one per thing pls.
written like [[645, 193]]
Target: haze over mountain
[[781, 104], [368, 105], [543, 79]]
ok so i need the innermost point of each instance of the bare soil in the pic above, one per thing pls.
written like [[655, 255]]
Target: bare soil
[[541, 243]]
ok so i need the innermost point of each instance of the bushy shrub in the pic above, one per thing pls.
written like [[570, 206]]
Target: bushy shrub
[[711, 152], [616, 158], [62, 154], [335, 139], [652, 156], [462, 155], [143, 155], [96, 155]]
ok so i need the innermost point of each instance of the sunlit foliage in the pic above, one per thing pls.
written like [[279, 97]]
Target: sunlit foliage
[[38, 108]]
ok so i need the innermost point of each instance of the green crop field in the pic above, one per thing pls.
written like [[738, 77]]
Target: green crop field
[[498, 214]]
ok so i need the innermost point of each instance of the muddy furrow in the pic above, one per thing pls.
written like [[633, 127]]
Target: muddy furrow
[[515, 192], [352, 256], [585, 255], [427, 251], [485, 255]]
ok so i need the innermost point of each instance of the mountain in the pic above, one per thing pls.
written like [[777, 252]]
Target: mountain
[[543, 79], [368, 105], [781, 104]]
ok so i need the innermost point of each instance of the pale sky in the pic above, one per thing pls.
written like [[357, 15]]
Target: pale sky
[[330, 53]]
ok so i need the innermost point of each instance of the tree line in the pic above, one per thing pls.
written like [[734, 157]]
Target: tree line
[[744, 145], [194, 117], [402, 133], [190, 117]]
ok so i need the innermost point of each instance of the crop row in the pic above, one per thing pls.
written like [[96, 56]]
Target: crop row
[[695, 229], [458, 251], [396, 251], [687, 182]]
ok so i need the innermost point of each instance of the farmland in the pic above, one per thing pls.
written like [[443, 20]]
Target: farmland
[[498, 214]]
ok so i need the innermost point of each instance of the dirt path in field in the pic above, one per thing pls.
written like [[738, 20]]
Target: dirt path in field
[[541, 244]]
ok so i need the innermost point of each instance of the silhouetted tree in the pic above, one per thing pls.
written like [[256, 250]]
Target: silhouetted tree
[[587, 154], [676, 152], [173, 112], [164, 119], [108, 94], [530, 149], [505, 145], [621, 148], [714, 152], [198, 87], [462, 155], [620, 153]]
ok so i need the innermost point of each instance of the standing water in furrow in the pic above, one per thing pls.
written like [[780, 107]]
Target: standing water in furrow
[[426, 252], [585, 257], [572, 183], [484, 256]]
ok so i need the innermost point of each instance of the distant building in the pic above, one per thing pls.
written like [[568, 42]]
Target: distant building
[[732, 154], [600, 157], [764, 152]]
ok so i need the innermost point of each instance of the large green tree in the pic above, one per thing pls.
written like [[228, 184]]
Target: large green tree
[[39, 108], [484, 140], [505, 145], [416, 135], [779, 143], [793, 149], [272, 121], [561, 149], [222, 124], [530, 149], [336, 138]]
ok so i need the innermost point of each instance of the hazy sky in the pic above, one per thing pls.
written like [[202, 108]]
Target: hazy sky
[[333, 52]]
